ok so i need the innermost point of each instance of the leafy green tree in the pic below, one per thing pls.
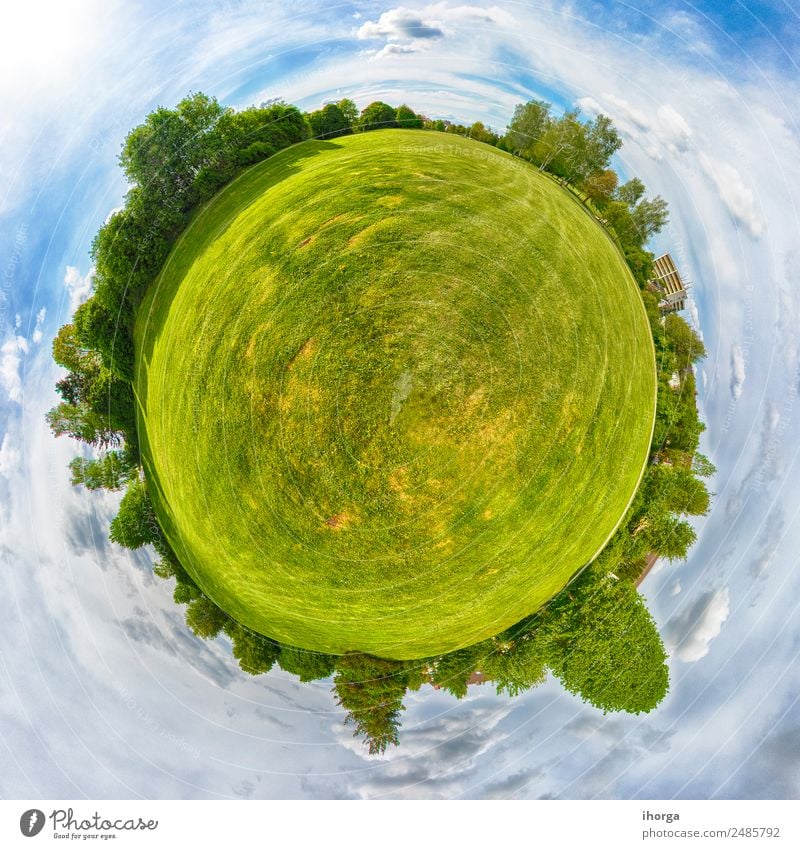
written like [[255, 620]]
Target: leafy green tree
[[632, 192], [452, 671], [600, 187], [528, 124], [135, 524], [686, 344], [307, 665], [82, 423], [328, 122], [674, 489], [602, 142], [371, 690], [702, 466], [350, 111], [640, 262], [407, 118], [205, 619], [70, 353], [515, 664], [481, 133], [561, 147], [164, 154], [669, 536], [112, 471], [650, 216], [376, 116], [603, 645], [256, 654], [186, 590], [678, 425], [102, 332]]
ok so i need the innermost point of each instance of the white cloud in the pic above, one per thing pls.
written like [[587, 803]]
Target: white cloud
[[437, 759], [10, 362], [401, 24], [736, 196], [55, 49], [690, 30], [626, 111], [407, 30], [616, 108], [79, 286], [36, 337], [689, 635], [674, 129], [10, 457], [738, 372], [631, 121]]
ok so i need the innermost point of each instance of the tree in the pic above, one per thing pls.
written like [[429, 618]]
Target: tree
[[69, 352], [669, 536], [600, 187], [620, 219], [650, 216], [640, 262], [256, 654], [675, 489], [602, 142], [702, 466], [527, 126], [686, 344], [101, 332], [514, 664], [205, 619], [349, 109], [111, 471], [407, 118], [452, 671], [82, 423], [328, 122], [481, 133], [307, 665], [602, 643], [186, 590], [371, 690], [376, 116], [631, 193], [561, 147], [164, 154], [135, 524]]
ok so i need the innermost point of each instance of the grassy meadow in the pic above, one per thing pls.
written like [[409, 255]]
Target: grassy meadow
[[394, 391]]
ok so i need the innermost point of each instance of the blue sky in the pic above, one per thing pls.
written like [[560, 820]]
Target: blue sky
[[104, 693]]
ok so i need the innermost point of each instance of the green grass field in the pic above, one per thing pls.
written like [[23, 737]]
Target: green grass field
[[395, 391]]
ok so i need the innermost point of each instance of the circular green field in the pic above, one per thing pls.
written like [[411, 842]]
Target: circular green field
[[395, 391]]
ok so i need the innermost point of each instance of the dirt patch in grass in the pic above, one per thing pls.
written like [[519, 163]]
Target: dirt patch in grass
[[306, 352]]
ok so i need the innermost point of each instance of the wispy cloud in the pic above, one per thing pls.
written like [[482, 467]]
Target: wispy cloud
[[11, 354], [10, 457], [405, 30], [689, 635], [79, 286], [737, 197], [738, 372]]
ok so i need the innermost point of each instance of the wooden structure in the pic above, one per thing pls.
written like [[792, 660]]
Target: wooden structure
[[667, 282]]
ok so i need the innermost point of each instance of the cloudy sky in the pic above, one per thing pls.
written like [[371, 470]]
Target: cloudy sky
[[103, 691]]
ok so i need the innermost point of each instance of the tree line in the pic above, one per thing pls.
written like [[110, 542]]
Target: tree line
[[596, 636]]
